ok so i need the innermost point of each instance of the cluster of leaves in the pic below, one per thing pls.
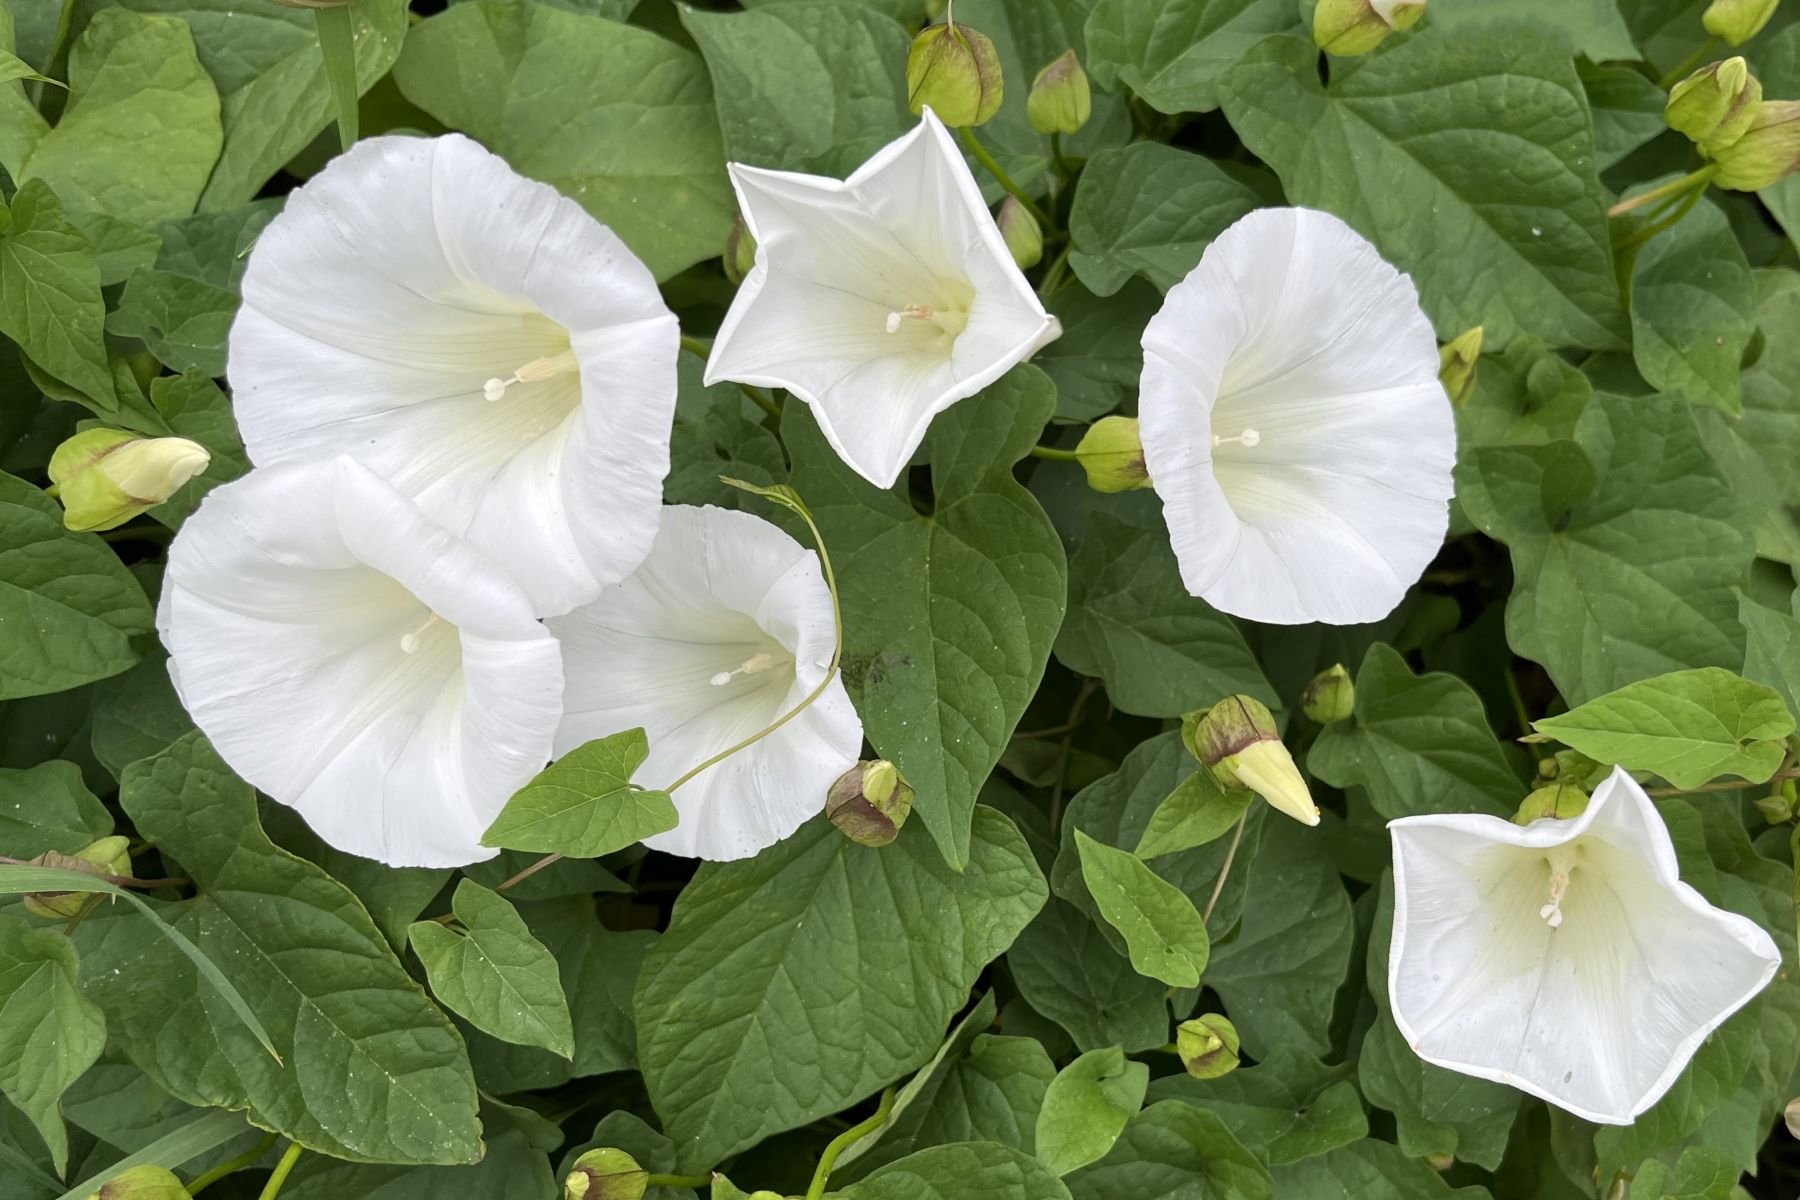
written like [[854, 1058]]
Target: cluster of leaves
[[1620, 578]]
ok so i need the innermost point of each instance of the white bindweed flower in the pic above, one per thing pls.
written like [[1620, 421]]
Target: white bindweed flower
[[358, 662], [880, 300], [1565, 958], [726, 626], [1294, 426], [478, 340]]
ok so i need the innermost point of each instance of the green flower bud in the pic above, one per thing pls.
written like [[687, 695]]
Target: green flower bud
[[1440, 1162], [142, 1183], [740, 251], [1457, 360], [1113, 456], [1737, 21], [606, 1174], [1331, 696], [956, 72], [870, 802], [108, 856], [1766, 153], [1559, 800], [1060, 100], [1207, 1046], [1236, 740], [1715, 105], [1791, 1116], [1572, 766], [1020, 229], [1350, 27], [1779, 807], [105, 477]]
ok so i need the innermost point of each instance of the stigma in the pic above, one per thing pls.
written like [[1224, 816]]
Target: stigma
[[1249, 439], [535, 371], [409, 642], [751, 665], [1552, 912]]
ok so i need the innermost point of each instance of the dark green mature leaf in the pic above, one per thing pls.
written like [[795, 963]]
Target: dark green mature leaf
[[1693, 309], [1160, 651], [615, 117], [199, 1134], [1288, 1107], [1173, 54], [1149, 209], [1162, 929], [1629, 575], [193, 406], [929, 1076], [372, 1072], [138, 715], [1527, 396], [1067, 970], [845, 963], [68, 607], [1367, 1170], [1588, 27], [717, 432], [48, 808], [49, 1032], [967, 1171], [1087, 1107], [653, 1152], [1701, 1174], [797, 80], [584, 804], [1468, 160], [514, 1167], [948, 617], [1772, 654], [1173, 1149], [1627, 106], [492, 972], [1096, 362], [1418, 743]]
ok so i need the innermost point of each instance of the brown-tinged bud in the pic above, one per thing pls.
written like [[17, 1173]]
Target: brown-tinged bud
[[740, 251], [1715, 105], [1457, 360], [1112, 454], [1766, 153], [1060, 100], [1559, 800], [955, 71], [606, 1174], [142, 1183], [1330, 697], [870, 802], [1207, 1046], [1023, 236], [105, 477], [1237, 741], [108, 856]]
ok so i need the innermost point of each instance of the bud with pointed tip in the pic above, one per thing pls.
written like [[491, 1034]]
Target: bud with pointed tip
[[740, 251], [1237, 741], [105, 477], [1766, 153], [1791, 1115], [870, 802], [1559, 800], [1737, 21], [1020, 229], [1331, 696], [1112, 454], [1207, 1046], [1350, 27], [955, 71], [142, 1183], [606, 1174], [1778, 808], [1060, 100], [1715, 105], [108, 856], [1457, 360]]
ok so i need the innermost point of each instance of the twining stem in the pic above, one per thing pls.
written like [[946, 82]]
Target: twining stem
[[1054, 275], [230, 1167], [1000, 176], [283, 1169], [1212, 901], [846, 1139], [1052, 454], [116, 880], [1675, 187], [1666, 217]]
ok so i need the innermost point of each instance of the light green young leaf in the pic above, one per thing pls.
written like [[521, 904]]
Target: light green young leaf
[[68, 606], [584, 804], [967, 1171], [1173, 1149], [1197, 812], [1149, 209], [1492, 207], [494, 973], [49, 1032], [1687, 726], [48, 807], [1588, 27], [948, 617], [1701, 1173], [613, 116], [1068, 971], [812, 936], [1693, 309], [1160, 925], [13, 67], [1172, 54], [1288, 1107], [1087, 1107]]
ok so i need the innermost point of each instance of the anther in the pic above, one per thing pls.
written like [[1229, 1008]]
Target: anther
[[535, 371], [409, 642], [751, 665], [912, 312], [1559, 886]]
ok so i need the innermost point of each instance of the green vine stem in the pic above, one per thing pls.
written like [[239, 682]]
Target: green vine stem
[[846, 1139], [230, 1167], [1000, 176], [283, 1169]]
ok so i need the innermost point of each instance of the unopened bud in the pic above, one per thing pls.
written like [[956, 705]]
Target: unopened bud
[[1350, 27], [1060, 100], [1112, 454], [1766, 153], [1331, 696], [606, 1174], [1457, 360], [1737, 21], [1791, 1115], [955, 71], [870, 802], [108, 856], [1715, 105], [1020, 229], [142, 1183], [1778, 808], [740, 251], [1440, 1162], [1572, 766], [1237, 741], [105, 477], [1558, 800], [1207, 1046]]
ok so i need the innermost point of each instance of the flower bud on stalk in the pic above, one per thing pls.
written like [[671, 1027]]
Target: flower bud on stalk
[[1060, 100], [1778, 807], [108, 856], [1112, 454], [1236, 740], [1457, 360], [1331, 696], [1207, 1046], [1737, 21], [105, 477], [955, 71], [1347, 28], [606, 1174], [1715, 105], [142, 1183], [740, 251], [1020, 229], [870, 802], [1767, 152], [1559, 800]]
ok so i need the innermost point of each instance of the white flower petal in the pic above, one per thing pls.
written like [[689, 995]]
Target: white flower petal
[[401, 279], [289, 602], [905, 242], [723, 595], [1308, 356], [1598, 1014]]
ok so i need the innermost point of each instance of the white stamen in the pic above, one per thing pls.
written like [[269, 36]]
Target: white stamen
[[409, 642], [1247, 439], [535, 371], [751, 665], [912, 312], [1559, 886]]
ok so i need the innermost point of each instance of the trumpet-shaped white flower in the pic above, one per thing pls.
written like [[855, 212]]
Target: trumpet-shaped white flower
[[1294, 426], [880, 300], [479, 341], [726, 626], [358, 662], [1564, 958]]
